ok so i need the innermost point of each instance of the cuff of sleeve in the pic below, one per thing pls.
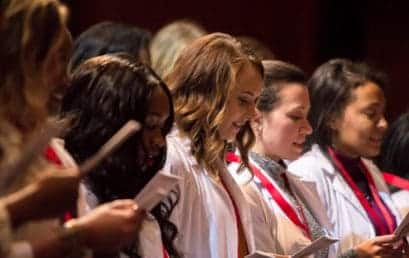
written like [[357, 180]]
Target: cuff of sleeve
[[21, 250]]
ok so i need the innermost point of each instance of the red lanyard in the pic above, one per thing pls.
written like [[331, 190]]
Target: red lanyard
[[165, 253], [364, 202], [51, 156], [277, 196], [397, 181], [236, 215]]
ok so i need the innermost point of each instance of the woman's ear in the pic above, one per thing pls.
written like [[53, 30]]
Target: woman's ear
[[256, 122]]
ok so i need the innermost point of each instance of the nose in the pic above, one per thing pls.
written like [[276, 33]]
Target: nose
[[158, 140], [251, 112], [307, 129], [382, 123]]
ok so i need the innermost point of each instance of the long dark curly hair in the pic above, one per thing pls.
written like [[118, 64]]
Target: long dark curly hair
[[105, 93]]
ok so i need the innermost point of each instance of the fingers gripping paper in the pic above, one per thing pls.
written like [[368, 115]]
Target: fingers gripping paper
[[315, 246]]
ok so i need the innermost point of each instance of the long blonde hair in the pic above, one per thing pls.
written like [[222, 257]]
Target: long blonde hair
[[29, 30], [201, 82], [169, 41]]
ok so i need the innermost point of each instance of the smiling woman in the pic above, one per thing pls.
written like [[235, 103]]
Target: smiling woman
[[215, 85], [347, 116]]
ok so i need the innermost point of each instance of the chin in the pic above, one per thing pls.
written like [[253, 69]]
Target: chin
[[371, 153]]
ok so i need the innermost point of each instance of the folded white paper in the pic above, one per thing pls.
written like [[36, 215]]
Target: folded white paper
[[312, 248], [155, 190], [403, 228], [260, 254], [315, 246]]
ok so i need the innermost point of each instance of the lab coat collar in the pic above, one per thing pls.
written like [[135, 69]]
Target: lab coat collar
[[339, 183]]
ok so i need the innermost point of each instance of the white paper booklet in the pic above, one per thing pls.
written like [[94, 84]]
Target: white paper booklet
[[315, 246], [403, 228], [155, 190], [312, 248], [260, 254]]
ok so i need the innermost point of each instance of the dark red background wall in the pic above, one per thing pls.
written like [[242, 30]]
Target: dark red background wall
[[303, 32]]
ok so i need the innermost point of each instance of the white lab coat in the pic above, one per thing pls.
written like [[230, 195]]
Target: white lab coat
[[279, 234], [332, 201], [401, 201], [205, 215], [149, 236]]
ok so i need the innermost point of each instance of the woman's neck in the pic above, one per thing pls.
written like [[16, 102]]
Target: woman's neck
[[259, 149], [343, 151]]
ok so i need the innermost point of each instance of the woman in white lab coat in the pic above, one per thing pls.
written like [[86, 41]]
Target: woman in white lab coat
[[343, 188], [394, 161], [105, 92], [215, 84], [281, 127]]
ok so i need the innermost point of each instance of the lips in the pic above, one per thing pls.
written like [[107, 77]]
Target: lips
[[376, 141]]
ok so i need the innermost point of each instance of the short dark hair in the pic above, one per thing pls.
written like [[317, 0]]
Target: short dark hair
[[394, 156], [109, 37], [330, 89], [276, 74]]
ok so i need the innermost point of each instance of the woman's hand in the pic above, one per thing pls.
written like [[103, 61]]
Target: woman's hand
[[55, 192], [110, 226], [381, 246]]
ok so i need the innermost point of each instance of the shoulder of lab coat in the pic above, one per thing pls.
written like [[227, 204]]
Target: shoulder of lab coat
[[274, 232], [202, 232], [401, 201], [332, 200]]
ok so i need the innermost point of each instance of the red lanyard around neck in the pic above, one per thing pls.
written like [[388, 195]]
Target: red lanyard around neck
[[277, 196], [364, 202], [396, 181]]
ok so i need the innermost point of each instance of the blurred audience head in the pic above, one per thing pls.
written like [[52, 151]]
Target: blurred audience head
[[111, 37], [34, 50], [260, 49], [169, 41]]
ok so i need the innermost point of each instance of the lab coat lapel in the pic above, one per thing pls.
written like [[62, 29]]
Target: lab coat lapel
[[241, 203]]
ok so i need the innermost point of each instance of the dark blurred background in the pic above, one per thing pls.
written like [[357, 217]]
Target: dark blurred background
[[303, 32]]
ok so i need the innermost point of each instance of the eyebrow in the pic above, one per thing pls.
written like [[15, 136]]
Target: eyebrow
[[374, 104], [248, 93], [299, 107]]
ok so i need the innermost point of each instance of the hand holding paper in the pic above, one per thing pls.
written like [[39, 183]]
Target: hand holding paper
[[259, 254], [403, 228], [315, 246]]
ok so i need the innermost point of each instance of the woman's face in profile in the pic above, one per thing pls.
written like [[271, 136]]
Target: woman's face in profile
[[153, 138], [241, 104], [359, 130]]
